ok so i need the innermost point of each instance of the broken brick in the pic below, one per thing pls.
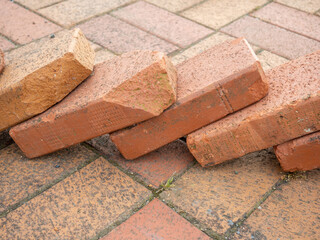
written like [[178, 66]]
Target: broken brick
[[122, 91], [41, 74], [300, 154], [290, 110], [211, 85]]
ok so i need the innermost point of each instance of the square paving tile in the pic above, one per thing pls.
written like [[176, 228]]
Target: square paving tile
[[162, 23], [154, 168], [79, 207], [219, 196], [156, 221]]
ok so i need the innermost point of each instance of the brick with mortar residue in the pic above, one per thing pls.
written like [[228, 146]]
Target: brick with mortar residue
[[122, 91], [211, 85], [290, 110], [42, 73]]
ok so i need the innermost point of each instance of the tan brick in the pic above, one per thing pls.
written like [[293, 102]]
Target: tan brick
[[290, 110], [211, 85], [42, 73], [122, 91], [269, 60], [300, 154], [305, 5]]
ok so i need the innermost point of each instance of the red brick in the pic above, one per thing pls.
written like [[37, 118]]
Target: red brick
[[156, 221], [154, 168], [300, 154], [272, 38], [1, 61], [211, 85], [121, 92], [21, 25], [121, 37], [291, 19], [5, 45], [162, 23], [290, 110], [40, 74]]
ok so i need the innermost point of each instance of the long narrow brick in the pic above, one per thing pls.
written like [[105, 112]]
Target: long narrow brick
[[290, 110], [300, 154], [42, 73], [122, 91], [1, 61], [211, 85]]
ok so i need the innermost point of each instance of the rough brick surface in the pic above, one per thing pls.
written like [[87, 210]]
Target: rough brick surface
[[121, 92], [290, 110], [211, 85], [300, 154], [1, 61], [41, 74]]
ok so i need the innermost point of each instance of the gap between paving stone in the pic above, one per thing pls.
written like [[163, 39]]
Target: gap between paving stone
[[47, 186]]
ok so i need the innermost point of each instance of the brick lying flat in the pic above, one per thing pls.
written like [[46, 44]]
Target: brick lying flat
[[1, 61], [300, 154], [211, 85], [290, 110], [122, 91], [41, 74]]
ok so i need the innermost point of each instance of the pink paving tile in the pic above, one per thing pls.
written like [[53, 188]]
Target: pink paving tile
[[21, 25], [121, 37], [156, 221], [291, 19], [153, 168], [5, 45], [162, 23]]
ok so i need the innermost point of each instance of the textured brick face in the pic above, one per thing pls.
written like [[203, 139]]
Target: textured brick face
[[290, 110], [211, 85], [42, 73], [121, 92]]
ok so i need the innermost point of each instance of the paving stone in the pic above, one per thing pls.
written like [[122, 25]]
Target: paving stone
[[27, 26], [95, 47], [292, 212], [277, 40], [291, 19], [5, 45], [40, 74], [218, 197], [305, 5], [156, 221], [1, 61], [21, 178], [290, 110], [79, 207], [5, 139], [300, 154], [121, 92], [154, 168], [162, 23], [174, 6], [211, 85], [36, 4], [71, 12], [217, 13], [121, 37], [103, 55], [269, 60]]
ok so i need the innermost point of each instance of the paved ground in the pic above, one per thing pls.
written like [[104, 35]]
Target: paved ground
[[89, 191]]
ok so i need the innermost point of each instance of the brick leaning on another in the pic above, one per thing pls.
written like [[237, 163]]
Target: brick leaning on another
[[211, 85], [290, 110], [42, 73], [122, 91]]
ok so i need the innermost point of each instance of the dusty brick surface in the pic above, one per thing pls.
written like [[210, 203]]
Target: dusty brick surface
[[5, 45], [1, 61], [20, 177], [162, 23], [290, 110], [300, 154], [174, 6], [121, 37], [154, 168], [211, 85], [37, 4], [291, 19], [217, 197], [270, 37], [42, 73], [21, 25], [269, 60], [292, 212], [156, 221], [79, 207], [71, 12], [310, 6], [122, 91]]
